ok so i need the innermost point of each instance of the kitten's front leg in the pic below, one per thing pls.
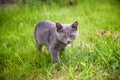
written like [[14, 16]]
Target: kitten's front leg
[[54, 55]]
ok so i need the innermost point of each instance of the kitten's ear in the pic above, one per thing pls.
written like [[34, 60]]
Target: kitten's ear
[[75, 24], [58, 26]]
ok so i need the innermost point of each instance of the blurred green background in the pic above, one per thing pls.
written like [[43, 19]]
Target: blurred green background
[[94, 55]]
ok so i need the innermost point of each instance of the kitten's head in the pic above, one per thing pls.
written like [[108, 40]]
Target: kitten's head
[[66, 33]]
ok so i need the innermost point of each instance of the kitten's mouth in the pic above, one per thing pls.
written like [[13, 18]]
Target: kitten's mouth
[[69, 42], [66, 43]]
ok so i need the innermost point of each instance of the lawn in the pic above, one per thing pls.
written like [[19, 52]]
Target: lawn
[[94, 55]]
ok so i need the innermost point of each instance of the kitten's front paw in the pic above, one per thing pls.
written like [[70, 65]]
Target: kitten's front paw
[[57, 66]]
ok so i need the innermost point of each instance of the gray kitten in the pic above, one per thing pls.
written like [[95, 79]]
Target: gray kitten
[[56, 36]]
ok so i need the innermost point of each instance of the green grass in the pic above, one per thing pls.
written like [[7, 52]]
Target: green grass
[[94, 55]]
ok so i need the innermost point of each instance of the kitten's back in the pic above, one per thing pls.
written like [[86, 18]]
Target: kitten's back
[[43, 31]]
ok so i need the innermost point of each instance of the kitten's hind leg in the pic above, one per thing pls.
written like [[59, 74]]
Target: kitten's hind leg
[[39, 47]]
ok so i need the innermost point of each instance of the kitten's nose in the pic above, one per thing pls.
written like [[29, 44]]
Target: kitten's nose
[[68, 41]]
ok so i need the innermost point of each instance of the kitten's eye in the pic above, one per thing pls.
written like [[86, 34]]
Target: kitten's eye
[[71, 35], [64, 36]]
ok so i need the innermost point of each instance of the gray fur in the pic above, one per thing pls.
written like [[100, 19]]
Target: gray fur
[[55, 35]]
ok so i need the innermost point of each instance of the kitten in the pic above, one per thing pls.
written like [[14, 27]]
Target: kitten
[[55, 35]]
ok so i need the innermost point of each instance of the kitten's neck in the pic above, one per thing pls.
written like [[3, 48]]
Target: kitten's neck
[[60, 42]]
